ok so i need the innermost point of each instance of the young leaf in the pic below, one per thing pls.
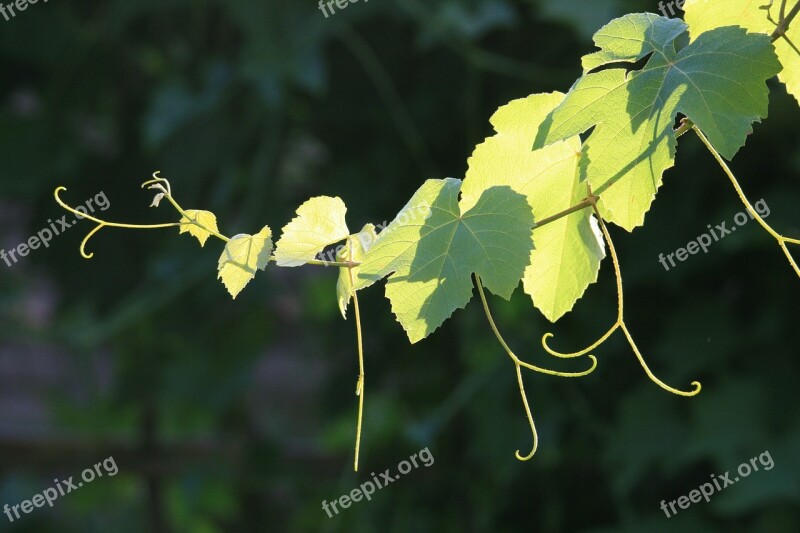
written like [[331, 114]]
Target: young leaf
[[319, 223], [569, 250], [718, 81], [198, 223], [432, 257], [361, 242], [243, 255], [702, 15]]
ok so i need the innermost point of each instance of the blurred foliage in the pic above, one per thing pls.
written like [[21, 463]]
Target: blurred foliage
[[240, 416]]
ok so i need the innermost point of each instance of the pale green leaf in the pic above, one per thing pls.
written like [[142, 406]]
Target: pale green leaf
[[198, 223], [243, 256], [718, 81], [433, 247], [702, 15], [354, 251], [319, 223], [569, 250]]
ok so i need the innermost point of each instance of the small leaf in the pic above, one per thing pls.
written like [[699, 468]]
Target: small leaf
[[198, 223], [432, 249], [319, 223], [243, 256], [362, 242]]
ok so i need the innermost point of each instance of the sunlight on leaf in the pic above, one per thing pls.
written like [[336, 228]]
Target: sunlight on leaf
[[362, 242], [718, 81], [197, 223], [568, 251], [702, 15], [320, 222], [433, 247], [242, 257]]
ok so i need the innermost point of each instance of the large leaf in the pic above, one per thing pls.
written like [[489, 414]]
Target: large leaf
[[702, 15], [718, 81], [243, 256], [354, 250], [568, 251], [320, 222], [431, 257]]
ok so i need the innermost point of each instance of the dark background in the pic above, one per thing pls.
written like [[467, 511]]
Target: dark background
[[240, 416]]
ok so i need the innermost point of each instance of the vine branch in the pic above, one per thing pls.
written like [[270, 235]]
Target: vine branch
[[619, 323], [103, 223], [361, 374], [519, 364], [785, 21], [782, 241], [161, 184], [589, 201]]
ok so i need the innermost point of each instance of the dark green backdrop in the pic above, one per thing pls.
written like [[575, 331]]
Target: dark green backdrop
[[239, 416]]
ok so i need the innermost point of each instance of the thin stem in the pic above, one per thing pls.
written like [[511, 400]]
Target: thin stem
[[518, 365], [583, 204], [620, 301], [696, 384], [72, 210], [580, 353], [781, 30], [534, 433], [86, 240], [102, 223], [511, 354], [782, 241], [163, 185], [194, 221], [319, 262], [361, 374], [783, 24], [685, 126], [791, 44], [158, 183], [620, 322], [615, 261]]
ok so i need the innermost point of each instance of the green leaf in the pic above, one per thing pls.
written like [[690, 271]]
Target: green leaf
[[718, 81], [433, 247], [319, 223], [243, 256], [702, 16], [197, 223], [361, 243], [569, 250]]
